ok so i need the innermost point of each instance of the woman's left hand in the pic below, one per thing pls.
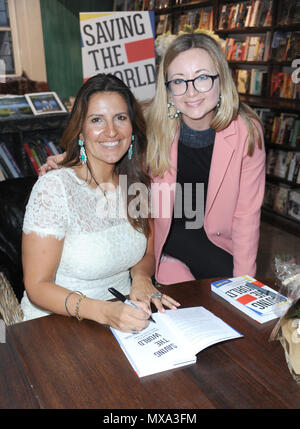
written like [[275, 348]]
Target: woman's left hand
[[142, 289]]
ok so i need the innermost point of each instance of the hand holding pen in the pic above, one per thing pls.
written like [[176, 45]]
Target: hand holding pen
[[123, 299]]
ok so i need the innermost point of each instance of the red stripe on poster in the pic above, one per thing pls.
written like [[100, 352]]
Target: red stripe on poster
[[140, 50]]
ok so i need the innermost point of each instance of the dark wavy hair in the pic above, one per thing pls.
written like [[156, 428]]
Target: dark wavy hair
[[134, 168]]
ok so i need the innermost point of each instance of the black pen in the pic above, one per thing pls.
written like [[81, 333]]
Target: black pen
[[123, 298]]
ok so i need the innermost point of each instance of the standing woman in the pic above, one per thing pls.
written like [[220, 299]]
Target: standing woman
[[79, 236], [200, 133]]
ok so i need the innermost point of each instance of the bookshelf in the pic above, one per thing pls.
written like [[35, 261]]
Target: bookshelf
[[274, 94], [262, 39], [26, 141]]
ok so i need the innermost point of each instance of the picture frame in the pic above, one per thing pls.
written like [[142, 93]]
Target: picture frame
[[45, 103], [14, 106]]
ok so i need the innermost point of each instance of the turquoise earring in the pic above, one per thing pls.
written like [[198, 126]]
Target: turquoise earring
[[130, 150], [82, 155]]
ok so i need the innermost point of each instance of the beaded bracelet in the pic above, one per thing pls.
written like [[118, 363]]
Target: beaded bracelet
[[77, 305]]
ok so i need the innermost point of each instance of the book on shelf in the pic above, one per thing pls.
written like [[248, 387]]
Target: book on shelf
[[205, 19], [285, 129], [295, 134], [271, 161], [289, 12], [269, 197], [174, 340], [162, 24], [5, 170], [292, 166], [243, 81], [267, 117], [257, 82], [9, 161], [31, 158], [294, 204], [281, 44], [281, 199], [251, 48], [276, 84], [254, 13], [250, 296], [260, 14], [251, 13], [282, 85], [282, 163], [2, 176]]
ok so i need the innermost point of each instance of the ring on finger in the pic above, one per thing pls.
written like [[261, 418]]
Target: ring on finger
[[157, 295]]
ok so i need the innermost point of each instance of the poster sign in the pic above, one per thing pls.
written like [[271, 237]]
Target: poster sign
[[121, 43]]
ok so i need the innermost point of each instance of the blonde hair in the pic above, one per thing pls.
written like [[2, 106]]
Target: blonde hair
[[161, 129]]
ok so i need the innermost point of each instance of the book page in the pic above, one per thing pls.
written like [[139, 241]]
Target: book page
[[198, 327], [154, 349]]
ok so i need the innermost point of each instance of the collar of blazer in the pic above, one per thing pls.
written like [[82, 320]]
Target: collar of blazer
[[224, 147]]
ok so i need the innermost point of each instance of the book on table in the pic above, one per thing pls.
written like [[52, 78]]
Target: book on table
[[257, 300], [174, 340]]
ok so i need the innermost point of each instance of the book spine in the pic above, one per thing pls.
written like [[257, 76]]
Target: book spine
[[35, 156], [49, 148], [30, 155], [12, 160], [5, 170], [8, 163]]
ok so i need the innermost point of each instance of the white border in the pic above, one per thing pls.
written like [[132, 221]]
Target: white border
[[48, 112]]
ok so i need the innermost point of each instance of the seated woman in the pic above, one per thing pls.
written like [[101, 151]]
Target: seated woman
[[79, 237]]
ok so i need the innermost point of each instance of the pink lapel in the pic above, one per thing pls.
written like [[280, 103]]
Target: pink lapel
[[222, 153]]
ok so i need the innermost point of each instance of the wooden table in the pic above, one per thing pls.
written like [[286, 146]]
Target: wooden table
[[58, 362]]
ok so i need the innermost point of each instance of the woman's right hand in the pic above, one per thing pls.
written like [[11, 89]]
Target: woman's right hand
[[51, 163], [124, 317]]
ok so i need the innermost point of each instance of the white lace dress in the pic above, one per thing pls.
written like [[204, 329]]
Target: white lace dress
[[100, 245]]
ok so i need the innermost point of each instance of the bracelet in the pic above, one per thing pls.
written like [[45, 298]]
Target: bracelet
[[77, 307]]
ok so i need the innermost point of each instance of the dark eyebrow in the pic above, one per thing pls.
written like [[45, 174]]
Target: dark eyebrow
[[197, 71], [98, 115]]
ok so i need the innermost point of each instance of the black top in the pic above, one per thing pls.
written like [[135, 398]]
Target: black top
[[187, 240]]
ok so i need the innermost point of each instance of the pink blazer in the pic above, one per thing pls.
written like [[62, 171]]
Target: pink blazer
[[234, 198]]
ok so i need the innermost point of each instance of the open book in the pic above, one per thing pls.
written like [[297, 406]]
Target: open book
[[174, 340]]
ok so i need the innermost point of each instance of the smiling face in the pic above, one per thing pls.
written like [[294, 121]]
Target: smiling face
[[197, 108], [107, 129]]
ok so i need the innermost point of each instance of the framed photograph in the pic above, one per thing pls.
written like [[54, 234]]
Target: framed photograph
[[14, 106], [45, 103]]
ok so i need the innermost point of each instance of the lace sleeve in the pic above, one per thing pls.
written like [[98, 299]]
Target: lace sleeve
[[47, 210]]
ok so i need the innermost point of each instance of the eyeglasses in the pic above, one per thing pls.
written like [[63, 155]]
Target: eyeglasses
[[202, 83]]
